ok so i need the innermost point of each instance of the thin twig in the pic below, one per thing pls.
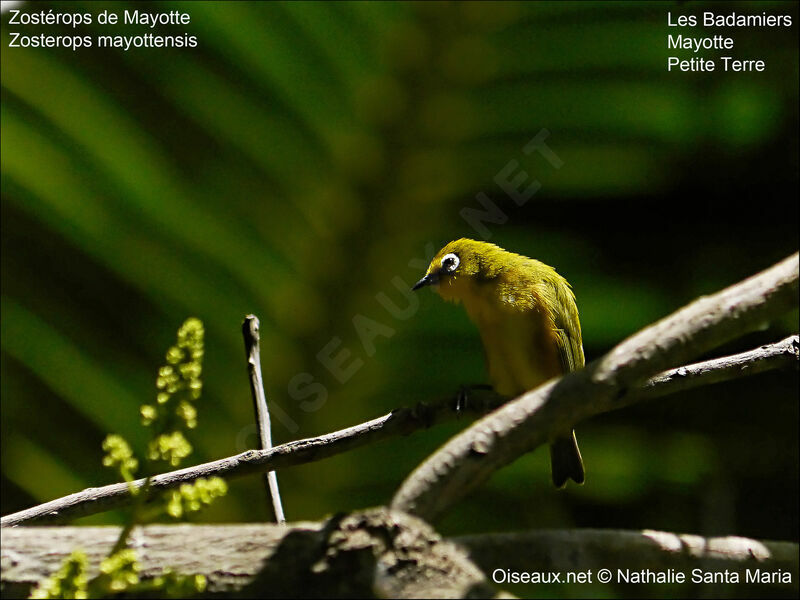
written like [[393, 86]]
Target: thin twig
[[402, 421], [252, 349], [534, 418]]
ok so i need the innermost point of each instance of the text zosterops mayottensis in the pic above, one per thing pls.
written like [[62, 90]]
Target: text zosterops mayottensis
[[528, 323]]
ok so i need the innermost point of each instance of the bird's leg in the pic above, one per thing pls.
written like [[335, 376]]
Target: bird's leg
[[462, 396], [422, 412]]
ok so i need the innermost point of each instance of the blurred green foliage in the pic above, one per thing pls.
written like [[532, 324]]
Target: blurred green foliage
[[294, 163]]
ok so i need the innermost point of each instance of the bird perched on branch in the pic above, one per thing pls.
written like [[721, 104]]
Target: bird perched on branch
[[528, 323]]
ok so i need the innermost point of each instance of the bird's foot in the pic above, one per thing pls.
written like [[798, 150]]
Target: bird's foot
[[463, 395], [422, 412]]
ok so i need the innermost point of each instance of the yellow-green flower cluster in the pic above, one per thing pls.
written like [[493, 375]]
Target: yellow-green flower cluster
[[148, 413], [70, 581], [188, 413], [119, 573], [119, 455], [179, 385], [169, 447], [192, 497], [179, 379], [121, 570], [174, 585]]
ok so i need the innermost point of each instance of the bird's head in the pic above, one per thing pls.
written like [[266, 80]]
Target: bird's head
[[459, 265]]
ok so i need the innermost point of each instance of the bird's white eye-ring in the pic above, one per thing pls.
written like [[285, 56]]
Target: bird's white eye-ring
[[450, 262]]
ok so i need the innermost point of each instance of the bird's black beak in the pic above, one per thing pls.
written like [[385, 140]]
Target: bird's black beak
[[429, 279]]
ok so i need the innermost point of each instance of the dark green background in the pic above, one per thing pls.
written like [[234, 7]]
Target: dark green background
[[295, 162]]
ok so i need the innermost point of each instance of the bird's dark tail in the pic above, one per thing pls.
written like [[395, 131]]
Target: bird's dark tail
[[565, 460]]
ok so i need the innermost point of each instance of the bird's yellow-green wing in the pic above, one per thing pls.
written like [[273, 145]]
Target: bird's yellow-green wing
[[568, 331], [565, 457], [567, 351]]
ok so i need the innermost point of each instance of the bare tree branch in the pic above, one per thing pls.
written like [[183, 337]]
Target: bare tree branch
[[783, 354], [530, 420], [767, 357], [252, 347], [372, 553], [378, 551]]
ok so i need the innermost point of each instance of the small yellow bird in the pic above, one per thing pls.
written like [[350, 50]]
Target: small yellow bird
[[528, 323]]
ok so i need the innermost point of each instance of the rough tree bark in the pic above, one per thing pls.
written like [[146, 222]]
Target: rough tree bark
[[378, 552], [363, 554]]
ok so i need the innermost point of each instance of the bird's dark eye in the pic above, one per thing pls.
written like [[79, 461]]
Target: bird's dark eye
[[450, 263]]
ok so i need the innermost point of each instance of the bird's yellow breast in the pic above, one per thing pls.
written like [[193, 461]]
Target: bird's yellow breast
[[518, 338]]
